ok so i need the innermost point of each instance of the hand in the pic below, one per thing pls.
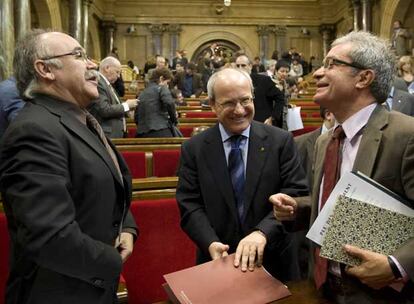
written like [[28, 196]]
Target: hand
[[374, 271], [218, 250], [125, 245], [249, 247], [284, 207], [268, 121], [132, 103]]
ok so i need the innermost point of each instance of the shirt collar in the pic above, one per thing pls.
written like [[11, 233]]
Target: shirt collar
[[104, 78], [225, 135], [356, 122]]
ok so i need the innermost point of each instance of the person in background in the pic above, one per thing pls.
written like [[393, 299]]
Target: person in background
[[405, 71], [156, 113], [10, 103]]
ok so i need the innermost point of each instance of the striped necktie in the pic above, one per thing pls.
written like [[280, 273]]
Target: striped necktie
[[236, 170]]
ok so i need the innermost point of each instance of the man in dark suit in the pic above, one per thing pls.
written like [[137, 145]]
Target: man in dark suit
[[10, 103], [268, 100], [224, 213], [66, 190], [400, 101], [108, 109], [379, 144], [189, 82]]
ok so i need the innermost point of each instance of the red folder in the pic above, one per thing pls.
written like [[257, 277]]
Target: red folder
[[219, 282]]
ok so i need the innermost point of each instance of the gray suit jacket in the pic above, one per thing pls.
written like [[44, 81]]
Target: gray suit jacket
[[108, 111], [403, 102], [386, 155]]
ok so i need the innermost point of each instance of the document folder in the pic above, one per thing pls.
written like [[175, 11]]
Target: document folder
[[219, 282]]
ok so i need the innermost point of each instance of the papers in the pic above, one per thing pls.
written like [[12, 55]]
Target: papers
[[360, 187], [219, 282], [293, 119]]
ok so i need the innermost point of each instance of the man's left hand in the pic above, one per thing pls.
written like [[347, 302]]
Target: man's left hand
[[374, 271], [250, 248], [125, 245]]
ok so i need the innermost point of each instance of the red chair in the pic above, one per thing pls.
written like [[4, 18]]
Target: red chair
[[162, 247], [132, 131], [136, 163], [186, 130], [304, 130], [4, 256], [316, 115], [201, 115], [165, 162]]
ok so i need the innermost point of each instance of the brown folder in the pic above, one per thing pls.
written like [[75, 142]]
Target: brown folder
[[219, 282]]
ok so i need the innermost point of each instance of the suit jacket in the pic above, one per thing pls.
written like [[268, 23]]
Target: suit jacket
[[403, 102], [197, 88], [156, 109], [65, 203], [108, 111], [386, 155], [306, 145], [268, 100], [399, 41], [206, 200], [10, 103]]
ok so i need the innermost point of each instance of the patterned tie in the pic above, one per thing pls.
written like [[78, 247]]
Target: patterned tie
[[236, 170], [332, 170], [94, 125]]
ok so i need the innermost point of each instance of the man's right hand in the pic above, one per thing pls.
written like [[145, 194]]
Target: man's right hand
[[218, 250], [132, 103], [284, 207]]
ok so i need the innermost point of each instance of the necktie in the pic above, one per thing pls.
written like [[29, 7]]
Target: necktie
[[236, 170], [332, 170], [94, 125]]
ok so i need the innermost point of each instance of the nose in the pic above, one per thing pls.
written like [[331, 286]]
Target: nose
[[318, 73], [239, 109], [90, 64]]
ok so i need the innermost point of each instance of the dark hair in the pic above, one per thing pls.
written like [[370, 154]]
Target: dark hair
[[157, 73], [282, 64], [130, 64]]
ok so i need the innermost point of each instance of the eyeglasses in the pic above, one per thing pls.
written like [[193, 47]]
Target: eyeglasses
[[78, 53], [329, 62], [232, 105], [242, 65]]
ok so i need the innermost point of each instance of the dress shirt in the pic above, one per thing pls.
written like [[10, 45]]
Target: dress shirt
[[244, 144]]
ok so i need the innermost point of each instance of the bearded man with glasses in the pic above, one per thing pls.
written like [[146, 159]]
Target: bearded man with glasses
[[226, 176], [66, 190]]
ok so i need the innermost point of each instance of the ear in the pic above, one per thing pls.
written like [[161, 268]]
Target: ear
[[43, 70], [212, 104], [365, 79]]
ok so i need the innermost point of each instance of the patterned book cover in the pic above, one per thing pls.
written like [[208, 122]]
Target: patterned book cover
[[366, 226]]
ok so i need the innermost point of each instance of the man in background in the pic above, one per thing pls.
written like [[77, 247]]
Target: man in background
[[10, 103]]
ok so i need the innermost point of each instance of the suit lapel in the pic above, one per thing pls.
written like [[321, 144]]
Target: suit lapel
[[61, 109], [256, 158], [370, 142], [215, 159]]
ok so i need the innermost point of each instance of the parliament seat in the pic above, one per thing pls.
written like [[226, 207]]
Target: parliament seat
[[162, 247], [200, 114], [137, 163], [165, 162]]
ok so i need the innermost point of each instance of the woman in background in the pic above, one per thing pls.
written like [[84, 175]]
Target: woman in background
[[155, 115], [405, 71]]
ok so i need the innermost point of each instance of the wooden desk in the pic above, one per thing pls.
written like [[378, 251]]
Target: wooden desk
[[303, 292]]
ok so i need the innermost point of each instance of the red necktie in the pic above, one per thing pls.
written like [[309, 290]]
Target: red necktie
[[332, 170]]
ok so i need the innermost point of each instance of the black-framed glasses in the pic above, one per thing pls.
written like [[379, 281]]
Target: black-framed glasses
[[232, 105], [77, 53], [329, 62]]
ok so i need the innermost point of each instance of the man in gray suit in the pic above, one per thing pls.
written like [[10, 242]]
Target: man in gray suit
[[376, 142], [401, 101], [108, 109]]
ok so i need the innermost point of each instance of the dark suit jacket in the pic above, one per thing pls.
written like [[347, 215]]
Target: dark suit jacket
[[386, 155], [64, 203], [10, 103], [306, 145], [268, 100], [107, 111], [197, 83], [206, 200], [403, 102]]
